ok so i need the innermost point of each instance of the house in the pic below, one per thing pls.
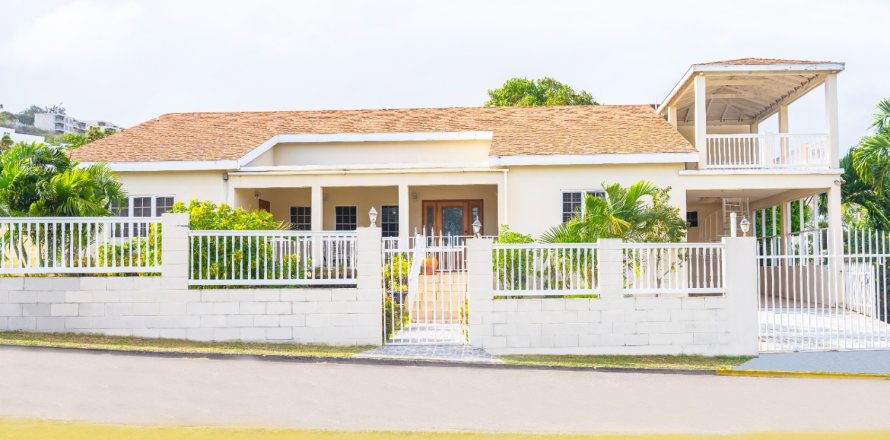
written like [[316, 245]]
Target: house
[[62, 123], [19, 137], [437, 170]]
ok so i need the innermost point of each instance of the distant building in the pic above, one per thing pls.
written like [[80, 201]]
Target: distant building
[[60, 123], [18, 137]]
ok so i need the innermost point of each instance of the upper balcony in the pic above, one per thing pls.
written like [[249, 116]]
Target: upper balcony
[[723, 108]]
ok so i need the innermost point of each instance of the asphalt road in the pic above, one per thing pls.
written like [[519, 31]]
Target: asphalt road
[[110, 388]]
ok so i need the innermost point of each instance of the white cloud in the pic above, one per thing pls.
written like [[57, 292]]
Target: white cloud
[[131, 60]]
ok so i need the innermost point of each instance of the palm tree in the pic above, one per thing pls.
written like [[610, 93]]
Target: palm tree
[[881, 123], [623, 213], [858, 194]]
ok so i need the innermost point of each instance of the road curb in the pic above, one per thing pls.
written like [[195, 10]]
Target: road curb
[[801, 374], [362, 360]]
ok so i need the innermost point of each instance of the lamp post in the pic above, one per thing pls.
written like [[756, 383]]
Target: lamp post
[[745, 225], [372, 214], [477, 227]]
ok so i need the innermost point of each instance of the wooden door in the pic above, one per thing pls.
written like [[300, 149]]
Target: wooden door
[[264, 205], [450, 217]]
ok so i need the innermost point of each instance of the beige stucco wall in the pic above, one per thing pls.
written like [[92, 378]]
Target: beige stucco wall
[[182, 185], [535, 193], [528, 199], [352, 153]]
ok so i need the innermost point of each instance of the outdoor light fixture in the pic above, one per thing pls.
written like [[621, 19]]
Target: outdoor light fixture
[[372, 214], [745, 225], [477, 226]]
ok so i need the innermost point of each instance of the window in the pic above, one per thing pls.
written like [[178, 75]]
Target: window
[[573, 202], [140, 206], [389, 221], [344, 218], [162, 205], [692, 219], [301, 218]]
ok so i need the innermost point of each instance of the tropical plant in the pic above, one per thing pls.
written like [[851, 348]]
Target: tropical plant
[[881, 123], [536, 92], [639, 213], [860, 197], [509, 266], [40, 180], [251, 257], [6, 142]]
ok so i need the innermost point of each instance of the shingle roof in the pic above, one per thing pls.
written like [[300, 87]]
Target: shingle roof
[[763, 62], [516, 131]]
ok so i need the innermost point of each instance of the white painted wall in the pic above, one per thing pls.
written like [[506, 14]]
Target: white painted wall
[[354, 153], [140, 306]]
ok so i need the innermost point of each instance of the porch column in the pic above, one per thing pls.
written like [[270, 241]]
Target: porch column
[[672, 116], [317, 213], [317, 210], [831, 124], [404, 215], [835, 222], [783, 118], [701, 120]]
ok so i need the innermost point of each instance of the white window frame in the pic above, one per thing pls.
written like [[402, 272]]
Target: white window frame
[[335, 217], [154, 203], [291, 215], [584, 193]]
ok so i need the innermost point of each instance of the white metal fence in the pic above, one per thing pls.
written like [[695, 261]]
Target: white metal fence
[[766, 150], [541, 269], [425, 292], [67, 245], [815, 298], [272, 257], [695, 268]]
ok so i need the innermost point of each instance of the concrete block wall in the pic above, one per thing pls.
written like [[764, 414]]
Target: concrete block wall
[[142, 307], [615, 323], [165, 307]]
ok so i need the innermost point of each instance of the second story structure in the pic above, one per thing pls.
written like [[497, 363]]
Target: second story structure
[[719, 107]]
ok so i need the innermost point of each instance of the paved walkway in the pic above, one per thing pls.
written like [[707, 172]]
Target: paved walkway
[[131, 389], [452, 353], [874, 362]]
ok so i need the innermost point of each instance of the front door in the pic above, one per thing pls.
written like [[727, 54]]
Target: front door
[[451, 217]]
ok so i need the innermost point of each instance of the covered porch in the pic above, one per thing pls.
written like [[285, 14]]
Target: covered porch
[[775, 216], [406, 205]]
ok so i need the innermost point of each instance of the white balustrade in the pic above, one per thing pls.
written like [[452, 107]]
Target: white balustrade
[[545, 269], [272, 257], [673, 268], [66, 245], [766, 150]]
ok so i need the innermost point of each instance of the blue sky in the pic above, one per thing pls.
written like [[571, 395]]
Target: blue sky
[[128, 61]]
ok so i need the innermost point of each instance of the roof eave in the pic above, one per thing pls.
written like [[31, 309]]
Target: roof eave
[[744, 68]]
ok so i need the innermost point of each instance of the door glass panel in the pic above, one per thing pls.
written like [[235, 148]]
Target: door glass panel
[[430, 218], [453, 221]]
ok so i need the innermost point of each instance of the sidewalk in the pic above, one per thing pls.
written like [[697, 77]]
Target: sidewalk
[[839, 362]]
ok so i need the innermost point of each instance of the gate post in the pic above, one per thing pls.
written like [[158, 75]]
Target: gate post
[[740, 281], [480, 286], [610, 270], [175, 251], [369, 264]]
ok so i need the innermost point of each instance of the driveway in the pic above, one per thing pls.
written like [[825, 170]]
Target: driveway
[[128, 389]]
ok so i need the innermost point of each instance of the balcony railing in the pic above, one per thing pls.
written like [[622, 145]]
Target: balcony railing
[[766, 150]]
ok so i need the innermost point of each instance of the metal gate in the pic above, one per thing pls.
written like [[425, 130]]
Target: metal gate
[[425, 291], [812, 299]]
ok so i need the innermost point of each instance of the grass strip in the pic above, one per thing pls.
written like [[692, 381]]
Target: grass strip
[[669, 362], [157, 345]]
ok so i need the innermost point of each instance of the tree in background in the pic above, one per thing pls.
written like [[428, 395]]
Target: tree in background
[[867, 174], [5, 142], [534, 92], [639, 213], [40, 180]]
